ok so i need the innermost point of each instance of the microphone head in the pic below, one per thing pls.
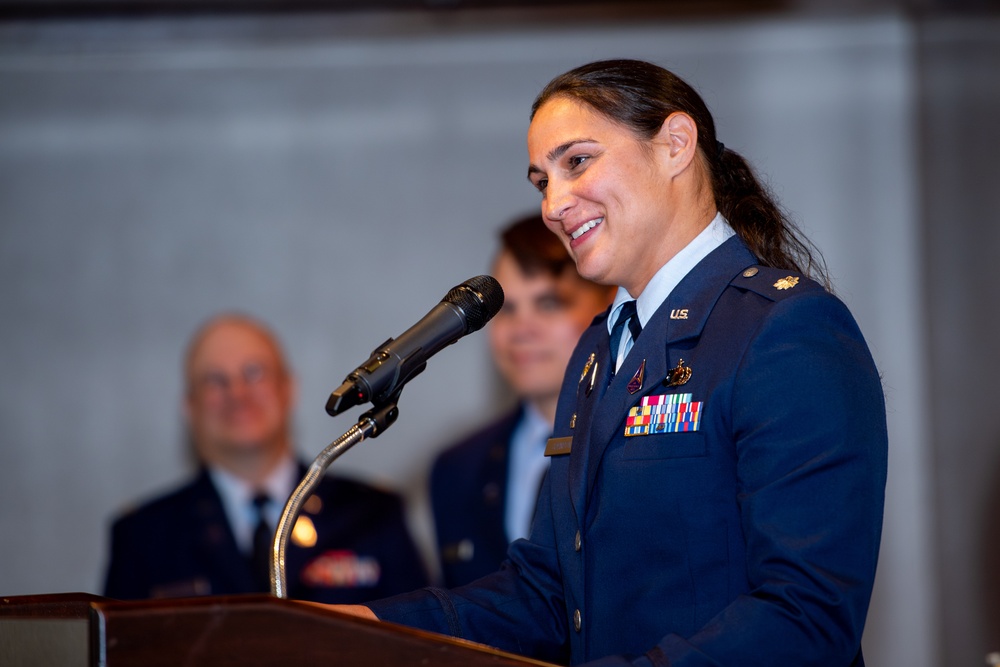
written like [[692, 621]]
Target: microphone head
[[480, 298]]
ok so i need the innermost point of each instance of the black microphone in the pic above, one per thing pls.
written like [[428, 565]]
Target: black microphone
[[466, 308]]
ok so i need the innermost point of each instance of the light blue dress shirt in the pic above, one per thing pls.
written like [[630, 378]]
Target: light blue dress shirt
[[525, 469]]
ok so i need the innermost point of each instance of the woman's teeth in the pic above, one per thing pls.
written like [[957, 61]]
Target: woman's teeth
[[585, 227]]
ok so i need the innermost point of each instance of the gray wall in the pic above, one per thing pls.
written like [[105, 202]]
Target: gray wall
[[960, 101], [336, 175]]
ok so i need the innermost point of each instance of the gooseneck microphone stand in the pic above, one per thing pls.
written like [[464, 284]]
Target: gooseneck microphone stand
[[370, 425]]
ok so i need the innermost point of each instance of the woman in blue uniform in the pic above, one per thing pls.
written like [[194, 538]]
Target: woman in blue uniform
[[718, 463]]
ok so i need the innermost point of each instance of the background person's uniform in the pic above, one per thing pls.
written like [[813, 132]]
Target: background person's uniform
[[483, 493], [182, 545], [750, 539]]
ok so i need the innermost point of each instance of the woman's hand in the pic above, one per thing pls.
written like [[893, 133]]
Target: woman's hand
[[353, 610]]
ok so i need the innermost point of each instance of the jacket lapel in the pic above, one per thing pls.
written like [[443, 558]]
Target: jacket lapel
[[216, 540], [591, 388]]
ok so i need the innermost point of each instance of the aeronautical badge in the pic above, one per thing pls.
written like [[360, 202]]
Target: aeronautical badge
[[593, 379], [665, 413], [586, 366], [635, 384], [678, 375], [787, 282]]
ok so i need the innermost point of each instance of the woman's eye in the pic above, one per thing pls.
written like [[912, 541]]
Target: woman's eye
[[541, 184], [577, 160]]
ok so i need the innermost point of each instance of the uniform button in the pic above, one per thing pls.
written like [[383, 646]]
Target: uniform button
[[491, 494], [577, 620], [577, 543]]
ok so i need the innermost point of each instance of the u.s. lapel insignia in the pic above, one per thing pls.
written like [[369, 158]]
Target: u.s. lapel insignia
[[787, 282], [635, 384], [678, 375], [586, 367]]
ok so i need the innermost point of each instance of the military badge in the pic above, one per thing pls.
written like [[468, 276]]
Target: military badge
[[666, 413], [341, 568], [304, 532], [593, 379], [635, 384], [678, 375], [586, 367], [787, 282]]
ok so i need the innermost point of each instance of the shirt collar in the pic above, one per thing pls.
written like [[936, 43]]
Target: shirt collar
[[236, 492], [670, 274]]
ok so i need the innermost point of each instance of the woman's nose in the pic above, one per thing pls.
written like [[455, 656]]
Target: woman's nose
[[558, 200]]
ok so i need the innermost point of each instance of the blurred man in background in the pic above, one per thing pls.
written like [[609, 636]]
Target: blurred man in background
[[213, 535], [483, 489]]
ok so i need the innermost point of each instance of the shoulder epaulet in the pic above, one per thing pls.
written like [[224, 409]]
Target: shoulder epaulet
[[774, 284]]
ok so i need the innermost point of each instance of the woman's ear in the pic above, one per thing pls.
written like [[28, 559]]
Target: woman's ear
[[678, 141]]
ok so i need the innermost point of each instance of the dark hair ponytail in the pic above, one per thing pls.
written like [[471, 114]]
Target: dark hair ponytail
[[641, 96], [759, 220]]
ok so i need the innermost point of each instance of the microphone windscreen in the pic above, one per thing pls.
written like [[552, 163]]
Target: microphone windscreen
[[480, 298]]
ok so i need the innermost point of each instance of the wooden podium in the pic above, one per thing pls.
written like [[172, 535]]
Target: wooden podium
[[78, 629]]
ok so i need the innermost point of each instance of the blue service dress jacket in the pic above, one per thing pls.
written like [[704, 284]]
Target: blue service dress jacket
[[181, 545], [739, 527], [468, 497]]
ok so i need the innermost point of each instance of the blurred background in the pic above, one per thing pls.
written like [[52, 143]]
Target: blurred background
[[335, 167]]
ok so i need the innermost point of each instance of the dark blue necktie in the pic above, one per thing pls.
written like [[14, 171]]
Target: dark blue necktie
[[626, 315], [260, 560]]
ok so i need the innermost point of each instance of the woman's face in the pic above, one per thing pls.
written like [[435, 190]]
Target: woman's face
[[605, 193]]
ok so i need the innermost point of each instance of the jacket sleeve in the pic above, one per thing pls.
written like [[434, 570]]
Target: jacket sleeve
[[519, 608]]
